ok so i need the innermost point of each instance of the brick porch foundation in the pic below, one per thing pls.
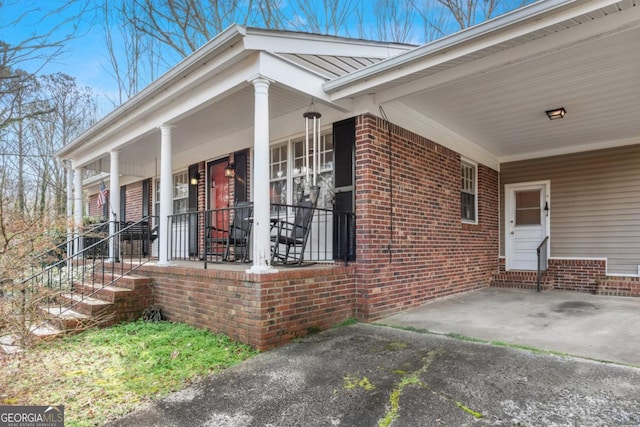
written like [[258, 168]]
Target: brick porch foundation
[[261, 310]]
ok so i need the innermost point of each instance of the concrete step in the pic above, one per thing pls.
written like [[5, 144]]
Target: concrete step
[[108, 293], [46, 331], [514, 284], [9, 344], [42, 331], [87, 305], [129, 281], [65, 319]]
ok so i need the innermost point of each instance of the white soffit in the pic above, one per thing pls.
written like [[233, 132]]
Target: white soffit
[[503, 109], [519, 27]]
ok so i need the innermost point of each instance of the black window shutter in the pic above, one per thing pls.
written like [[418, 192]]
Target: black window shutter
[[193, 189], [145, 197], [123, 203], [193, 207], [240, 180], [344, 141]]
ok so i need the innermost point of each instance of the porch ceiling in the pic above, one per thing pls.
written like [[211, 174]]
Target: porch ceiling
[[503, 109], [210, 132]]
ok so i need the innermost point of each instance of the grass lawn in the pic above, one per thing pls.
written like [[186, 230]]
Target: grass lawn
[[105, 373]]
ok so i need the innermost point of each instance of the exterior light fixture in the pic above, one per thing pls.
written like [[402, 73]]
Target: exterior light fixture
[[194, 178], [229, 171], [557, 113]]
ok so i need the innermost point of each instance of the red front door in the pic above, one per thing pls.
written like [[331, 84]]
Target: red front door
[[218, 204], [218, 185]]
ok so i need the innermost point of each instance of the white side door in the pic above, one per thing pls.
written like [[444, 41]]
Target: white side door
[[527, 223]]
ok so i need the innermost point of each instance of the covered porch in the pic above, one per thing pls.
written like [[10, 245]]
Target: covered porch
[[163, 154]]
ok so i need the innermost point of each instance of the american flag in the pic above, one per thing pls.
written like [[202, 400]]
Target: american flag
[[102, 196]]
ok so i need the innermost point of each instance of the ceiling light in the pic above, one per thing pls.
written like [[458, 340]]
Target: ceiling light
[[557, 113]]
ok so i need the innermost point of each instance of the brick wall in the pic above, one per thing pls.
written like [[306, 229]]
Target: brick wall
[[94, 210], [261, 310], [619, 286], [133, 197], [567, 274], [425, 251], [133, 202], [577, 275]]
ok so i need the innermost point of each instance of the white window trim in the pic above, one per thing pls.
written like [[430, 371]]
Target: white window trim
[[289, 143], [475, 189], [156, 189]]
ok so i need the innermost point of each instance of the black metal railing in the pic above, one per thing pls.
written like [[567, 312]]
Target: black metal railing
[[543, 263], [225, 235], [63, 284], [89, 235], [190, 232]]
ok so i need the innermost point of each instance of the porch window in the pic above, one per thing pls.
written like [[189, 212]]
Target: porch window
[[180, 193], [278, 173], [288, 179], [468, 201]]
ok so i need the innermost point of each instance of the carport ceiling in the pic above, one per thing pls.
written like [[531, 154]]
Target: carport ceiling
[[503, 110]]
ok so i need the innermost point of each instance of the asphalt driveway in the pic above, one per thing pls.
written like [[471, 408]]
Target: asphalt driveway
[[368, 375]]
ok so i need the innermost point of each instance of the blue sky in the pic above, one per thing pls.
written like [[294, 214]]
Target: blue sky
[[84, 57]]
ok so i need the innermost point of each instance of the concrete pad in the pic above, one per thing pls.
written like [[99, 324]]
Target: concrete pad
[[599, 327], [358, 375]]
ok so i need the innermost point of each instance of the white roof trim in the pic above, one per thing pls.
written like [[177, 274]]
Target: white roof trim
[[222, 41], [507, 26], [244, 41]]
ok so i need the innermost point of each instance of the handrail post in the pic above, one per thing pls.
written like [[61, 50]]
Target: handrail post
[[539, 250]]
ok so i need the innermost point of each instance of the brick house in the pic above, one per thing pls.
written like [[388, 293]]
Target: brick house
[[448, 154]]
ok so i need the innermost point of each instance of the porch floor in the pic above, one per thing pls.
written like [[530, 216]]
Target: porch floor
[[577, 323], [232, 266]]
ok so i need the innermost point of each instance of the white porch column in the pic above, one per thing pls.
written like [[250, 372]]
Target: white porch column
[[114, 203], [70, 228], [260, 177], [77, 208], [166, 202]]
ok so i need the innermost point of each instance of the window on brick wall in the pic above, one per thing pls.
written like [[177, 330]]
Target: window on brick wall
[[180, 193], [289, 171], [469, 192]]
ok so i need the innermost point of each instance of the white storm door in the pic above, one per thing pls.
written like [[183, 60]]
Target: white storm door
[[527, 223]]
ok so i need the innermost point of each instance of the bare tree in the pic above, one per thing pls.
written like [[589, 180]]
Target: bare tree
[[73, 109], [134, 57], [19, 100], [152, 35], [185, 25], [394, 19], [443, 17], [322, 16]]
